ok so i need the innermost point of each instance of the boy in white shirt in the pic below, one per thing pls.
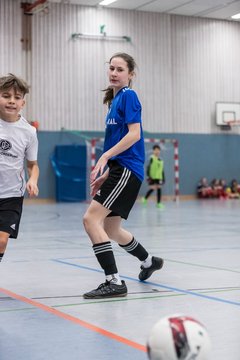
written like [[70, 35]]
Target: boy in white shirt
[[18, 142]]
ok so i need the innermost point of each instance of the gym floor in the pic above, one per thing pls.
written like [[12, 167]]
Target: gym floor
[[47, 269]]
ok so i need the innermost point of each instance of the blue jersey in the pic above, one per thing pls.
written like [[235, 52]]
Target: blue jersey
[[125, 109]]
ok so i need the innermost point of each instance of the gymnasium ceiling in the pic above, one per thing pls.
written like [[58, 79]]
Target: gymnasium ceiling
[[215, 9]]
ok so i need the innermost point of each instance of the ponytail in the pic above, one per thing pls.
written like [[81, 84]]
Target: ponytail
[[108, 96]]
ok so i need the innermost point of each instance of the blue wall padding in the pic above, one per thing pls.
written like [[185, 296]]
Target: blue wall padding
[[69, 164], [210, 155]]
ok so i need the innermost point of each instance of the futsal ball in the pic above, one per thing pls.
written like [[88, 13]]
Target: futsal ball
[[178, 337]]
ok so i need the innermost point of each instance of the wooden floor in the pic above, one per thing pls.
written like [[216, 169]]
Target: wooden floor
[[47, 269]]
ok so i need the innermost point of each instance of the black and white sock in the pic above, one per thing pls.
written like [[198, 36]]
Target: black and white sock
[[136, 249], [106, 259], [1, 256]]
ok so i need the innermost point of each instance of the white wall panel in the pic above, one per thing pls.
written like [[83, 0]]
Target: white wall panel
[[205, 71], [76, 69], [153, 53], [14, 57], [185, 65], [11, 56]]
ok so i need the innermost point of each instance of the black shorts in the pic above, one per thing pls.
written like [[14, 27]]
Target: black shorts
[[154, 181], [10, 215], [119, 192]]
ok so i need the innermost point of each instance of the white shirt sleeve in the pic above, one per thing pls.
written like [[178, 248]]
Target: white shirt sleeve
[[32, 148]]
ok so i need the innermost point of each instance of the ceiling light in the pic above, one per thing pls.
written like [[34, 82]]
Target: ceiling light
[[106, 2], [237, 16]]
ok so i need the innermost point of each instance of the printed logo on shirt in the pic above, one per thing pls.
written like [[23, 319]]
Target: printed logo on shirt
[[13, 226], [5, 145], [111, 122], [98, 193]]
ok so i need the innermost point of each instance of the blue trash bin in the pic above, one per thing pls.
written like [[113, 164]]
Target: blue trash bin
[[69, 164]]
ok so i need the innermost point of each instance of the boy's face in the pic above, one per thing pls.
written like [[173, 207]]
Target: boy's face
[[11, 103], [156, 152]]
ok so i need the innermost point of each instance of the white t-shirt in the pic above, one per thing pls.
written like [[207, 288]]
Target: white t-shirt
[[18, 141]]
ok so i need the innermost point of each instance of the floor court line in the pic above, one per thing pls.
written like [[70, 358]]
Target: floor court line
[[77, 321], [174, 289], [118, 300], [203, 266], [166, 259]]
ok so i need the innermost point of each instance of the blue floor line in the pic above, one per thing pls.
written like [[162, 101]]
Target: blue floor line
[[187, 292]]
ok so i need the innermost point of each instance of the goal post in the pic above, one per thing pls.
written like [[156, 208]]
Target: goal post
[[169, 154]]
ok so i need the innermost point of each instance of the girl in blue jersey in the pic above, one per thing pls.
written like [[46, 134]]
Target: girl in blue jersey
[[115, 190]]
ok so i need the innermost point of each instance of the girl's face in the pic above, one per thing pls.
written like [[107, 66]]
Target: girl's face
[[118, 74]]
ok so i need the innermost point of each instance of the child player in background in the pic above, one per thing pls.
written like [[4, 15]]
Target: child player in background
[[155, 176]]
